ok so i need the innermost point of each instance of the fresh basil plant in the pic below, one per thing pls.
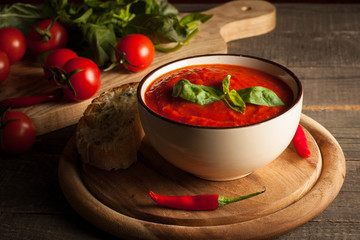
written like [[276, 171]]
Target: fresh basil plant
[[95, 25]]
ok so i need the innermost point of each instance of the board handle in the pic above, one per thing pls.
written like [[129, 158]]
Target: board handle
[[241, 19]]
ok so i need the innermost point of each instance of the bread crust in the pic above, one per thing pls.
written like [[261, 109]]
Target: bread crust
[[109, 133]]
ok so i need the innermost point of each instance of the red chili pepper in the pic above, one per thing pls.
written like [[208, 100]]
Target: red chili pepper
[[197, 202], [29, 101], [300, 143]]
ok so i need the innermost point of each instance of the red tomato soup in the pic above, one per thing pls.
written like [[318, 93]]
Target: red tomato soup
[[217, 114]]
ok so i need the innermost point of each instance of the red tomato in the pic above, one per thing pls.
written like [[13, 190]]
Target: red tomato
[[18, 133], [139, 52], [86, 82], [43, 37], [13, 43], [4, 66], [57, 58]]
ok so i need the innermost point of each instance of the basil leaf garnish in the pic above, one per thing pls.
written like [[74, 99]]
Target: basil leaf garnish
[[260, 96], [226, 84], [236, 100], [232, 98], [195, 93]]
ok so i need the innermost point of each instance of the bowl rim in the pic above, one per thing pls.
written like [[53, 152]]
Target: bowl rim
[[143, 104]]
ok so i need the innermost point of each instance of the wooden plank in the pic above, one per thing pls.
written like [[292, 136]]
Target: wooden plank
[[326, 86], [325, 230], [345, 126], [310, 35]]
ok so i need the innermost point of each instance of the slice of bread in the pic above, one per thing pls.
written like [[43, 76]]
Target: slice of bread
[[109, 133]]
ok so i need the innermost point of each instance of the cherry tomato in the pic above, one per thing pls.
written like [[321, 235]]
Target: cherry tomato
[[4, 66], [84, 78], [18, 133], [139, 52], [57, 58], [44, 36], [13, 43]]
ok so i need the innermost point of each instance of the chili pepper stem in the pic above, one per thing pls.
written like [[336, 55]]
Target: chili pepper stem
[[225, 200]]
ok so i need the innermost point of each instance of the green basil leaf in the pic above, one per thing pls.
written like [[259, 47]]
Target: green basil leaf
[[100, 40], [226, 84], [166, 9], [237, 102], [260, 96], [195, 17], [20, 15], [195, 93], [232, 98], [187, 28], [192, 21], [120, 17], [84, 18], [59, 4], [233, 107], [160, 29]]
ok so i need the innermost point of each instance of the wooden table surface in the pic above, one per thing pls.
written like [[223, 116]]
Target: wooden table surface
[[318, 42]]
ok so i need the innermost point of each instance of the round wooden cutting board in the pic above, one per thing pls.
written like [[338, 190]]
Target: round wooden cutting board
[[297, 190]]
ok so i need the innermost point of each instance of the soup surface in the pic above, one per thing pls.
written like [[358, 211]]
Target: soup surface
[[158, 96]]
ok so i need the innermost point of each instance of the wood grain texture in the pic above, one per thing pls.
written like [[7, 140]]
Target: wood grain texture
[[230, 21], [117, 202]]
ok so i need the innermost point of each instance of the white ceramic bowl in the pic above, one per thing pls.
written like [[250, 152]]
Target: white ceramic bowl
[[226, 153]]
